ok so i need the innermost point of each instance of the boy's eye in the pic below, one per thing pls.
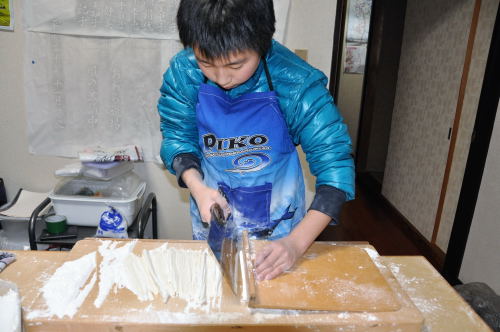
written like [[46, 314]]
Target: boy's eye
[[236, 67]]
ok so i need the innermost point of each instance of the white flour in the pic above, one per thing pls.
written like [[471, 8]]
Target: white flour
[[192, 275], [10, 312], [168, 317], [63, 292], [375, 257], [113, 259], [430, 307]]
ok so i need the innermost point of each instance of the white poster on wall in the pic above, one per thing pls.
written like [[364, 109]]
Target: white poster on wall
[[86, 92], [154, 19], [93, 70]]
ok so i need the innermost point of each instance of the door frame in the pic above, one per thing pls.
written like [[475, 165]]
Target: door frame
[[338, 45], [380, 73]]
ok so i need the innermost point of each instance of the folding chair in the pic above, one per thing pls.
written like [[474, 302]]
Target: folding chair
[[21, 208]]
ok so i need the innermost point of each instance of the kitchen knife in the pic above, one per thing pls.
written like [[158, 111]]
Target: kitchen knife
[[223, 240]]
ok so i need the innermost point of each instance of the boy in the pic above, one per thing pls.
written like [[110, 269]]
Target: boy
[[234, 104]]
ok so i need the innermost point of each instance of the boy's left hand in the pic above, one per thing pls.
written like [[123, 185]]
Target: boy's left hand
[[276, 257], [280, 255]]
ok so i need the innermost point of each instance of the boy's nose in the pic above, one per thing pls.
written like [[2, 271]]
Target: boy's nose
[[222, 78]]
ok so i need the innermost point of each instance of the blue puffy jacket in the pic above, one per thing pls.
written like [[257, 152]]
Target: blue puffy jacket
[[313, 120]]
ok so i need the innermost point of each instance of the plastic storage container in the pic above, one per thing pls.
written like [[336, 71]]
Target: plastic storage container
[[83, 200]]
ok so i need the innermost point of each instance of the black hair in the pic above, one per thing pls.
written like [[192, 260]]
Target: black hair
[[217, 28]]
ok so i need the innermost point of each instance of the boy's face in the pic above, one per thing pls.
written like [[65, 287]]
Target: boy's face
[[229, 72]]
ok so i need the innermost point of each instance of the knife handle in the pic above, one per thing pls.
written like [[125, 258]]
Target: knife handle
[[217, 214]]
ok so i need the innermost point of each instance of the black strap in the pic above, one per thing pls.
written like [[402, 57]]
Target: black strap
[[268, 76], [266, 70]]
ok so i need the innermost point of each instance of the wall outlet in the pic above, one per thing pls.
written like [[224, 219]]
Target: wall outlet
[[302, 53]]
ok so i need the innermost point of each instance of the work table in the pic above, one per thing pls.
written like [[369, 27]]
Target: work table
[[441, 307]]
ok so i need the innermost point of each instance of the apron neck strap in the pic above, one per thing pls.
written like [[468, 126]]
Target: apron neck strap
[[266, 70], [268, 76]]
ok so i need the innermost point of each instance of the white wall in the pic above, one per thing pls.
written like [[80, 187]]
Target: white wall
[[481, 259], [310, 26]]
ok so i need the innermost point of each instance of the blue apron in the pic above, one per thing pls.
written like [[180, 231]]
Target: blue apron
[[249, 157]]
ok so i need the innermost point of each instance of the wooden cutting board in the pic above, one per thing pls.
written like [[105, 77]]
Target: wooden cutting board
[[328, 277], [123, 311]]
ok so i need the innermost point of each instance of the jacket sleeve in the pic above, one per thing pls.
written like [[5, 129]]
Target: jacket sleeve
[[176, 107], [319, 128]]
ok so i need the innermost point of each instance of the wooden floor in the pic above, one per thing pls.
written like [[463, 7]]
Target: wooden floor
[[366, 219]]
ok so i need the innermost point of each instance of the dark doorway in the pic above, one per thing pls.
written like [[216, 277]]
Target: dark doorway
[[379, 87], [352, 30], [384, 50]]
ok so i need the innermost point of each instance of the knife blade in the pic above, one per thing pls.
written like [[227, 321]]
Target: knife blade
[[223, 241], [217, 230]]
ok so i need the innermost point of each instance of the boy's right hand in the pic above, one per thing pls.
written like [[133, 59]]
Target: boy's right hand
[[204, 196]]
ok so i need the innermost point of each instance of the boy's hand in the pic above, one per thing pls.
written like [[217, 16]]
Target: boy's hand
[[280, 255], [276, 257], [204, 196]]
